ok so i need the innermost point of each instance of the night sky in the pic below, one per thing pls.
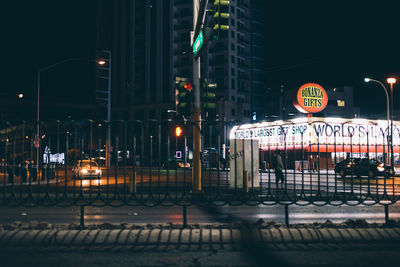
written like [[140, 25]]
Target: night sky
[[35, 34], [334, 44], [327, 42]]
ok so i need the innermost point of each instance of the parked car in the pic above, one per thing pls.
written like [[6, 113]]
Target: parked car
[[86, 169], [363, 167], [176, 163]]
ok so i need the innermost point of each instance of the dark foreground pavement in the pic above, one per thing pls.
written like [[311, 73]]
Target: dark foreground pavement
[[314, 257], [258, 244]]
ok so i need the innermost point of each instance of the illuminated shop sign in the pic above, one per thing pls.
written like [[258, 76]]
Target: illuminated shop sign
[[310, 98], [318, 131]]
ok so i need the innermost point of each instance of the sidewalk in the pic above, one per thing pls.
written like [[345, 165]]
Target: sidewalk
[[156, 238], [265, 244]]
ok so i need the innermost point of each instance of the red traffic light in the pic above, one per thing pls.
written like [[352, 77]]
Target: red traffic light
[[188, 86], [178, 131]]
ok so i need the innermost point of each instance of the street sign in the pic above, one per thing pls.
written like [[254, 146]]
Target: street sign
[[198, 43]]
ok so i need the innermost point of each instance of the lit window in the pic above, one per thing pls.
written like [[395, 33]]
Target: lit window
[[340, 103]]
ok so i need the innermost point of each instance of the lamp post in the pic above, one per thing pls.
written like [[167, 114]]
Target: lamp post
[[106, 65], [391, 81], [387, 102], [37, 139]]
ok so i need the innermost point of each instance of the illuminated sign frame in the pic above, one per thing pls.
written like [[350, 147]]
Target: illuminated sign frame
[[328, 134], [310, 98]]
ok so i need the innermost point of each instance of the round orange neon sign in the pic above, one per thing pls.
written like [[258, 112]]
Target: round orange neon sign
[[310, 98]]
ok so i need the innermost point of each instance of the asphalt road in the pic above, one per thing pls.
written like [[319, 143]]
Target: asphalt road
[[324, 181], [159, 214]]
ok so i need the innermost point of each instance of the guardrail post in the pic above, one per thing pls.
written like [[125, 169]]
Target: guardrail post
[[184, 216], [386, 213], [287, 215], [132, 184], [82, 214], [245, 182]]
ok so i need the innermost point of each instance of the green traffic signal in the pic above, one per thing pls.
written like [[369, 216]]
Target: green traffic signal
[[221, 16], [221, 2], [220, 27], [209, 97]]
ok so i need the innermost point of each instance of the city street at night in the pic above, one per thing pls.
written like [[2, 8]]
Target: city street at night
[[199, 133]]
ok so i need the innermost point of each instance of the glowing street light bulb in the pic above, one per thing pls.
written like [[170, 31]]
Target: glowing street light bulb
[[101, 62], [20, 96], [367, 80], [391, 80]]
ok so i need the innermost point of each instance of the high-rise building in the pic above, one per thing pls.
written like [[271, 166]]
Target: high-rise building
[[139, 35], [235, 62], [150, 45]]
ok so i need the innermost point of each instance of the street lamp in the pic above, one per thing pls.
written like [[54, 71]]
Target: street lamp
[[391, 81], [106, 65], [37, 139], [101, 62], [387, 101]]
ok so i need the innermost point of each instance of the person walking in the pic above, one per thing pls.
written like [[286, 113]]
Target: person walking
[[279, 168]]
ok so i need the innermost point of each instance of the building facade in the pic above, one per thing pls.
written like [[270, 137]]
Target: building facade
[[150, 45]]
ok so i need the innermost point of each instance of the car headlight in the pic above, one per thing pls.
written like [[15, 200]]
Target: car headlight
[[84, 171], [98, 171], [380, 168]]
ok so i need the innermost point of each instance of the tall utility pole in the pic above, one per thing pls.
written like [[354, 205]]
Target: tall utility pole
[[391, 81], [107, 66], [387, 114], [108, 112], [196, 171]]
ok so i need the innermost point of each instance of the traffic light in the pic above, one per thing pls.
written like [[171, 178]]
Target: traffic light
[[184, 98], [208, 97], [178, 131], [221, 17]]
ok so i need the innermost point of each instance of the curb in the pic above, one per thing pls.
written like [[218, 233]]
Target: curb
[[151, 237]]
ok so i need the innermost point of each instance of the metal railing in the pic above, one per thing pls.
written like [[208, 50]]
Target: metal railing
[[151, 166]]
